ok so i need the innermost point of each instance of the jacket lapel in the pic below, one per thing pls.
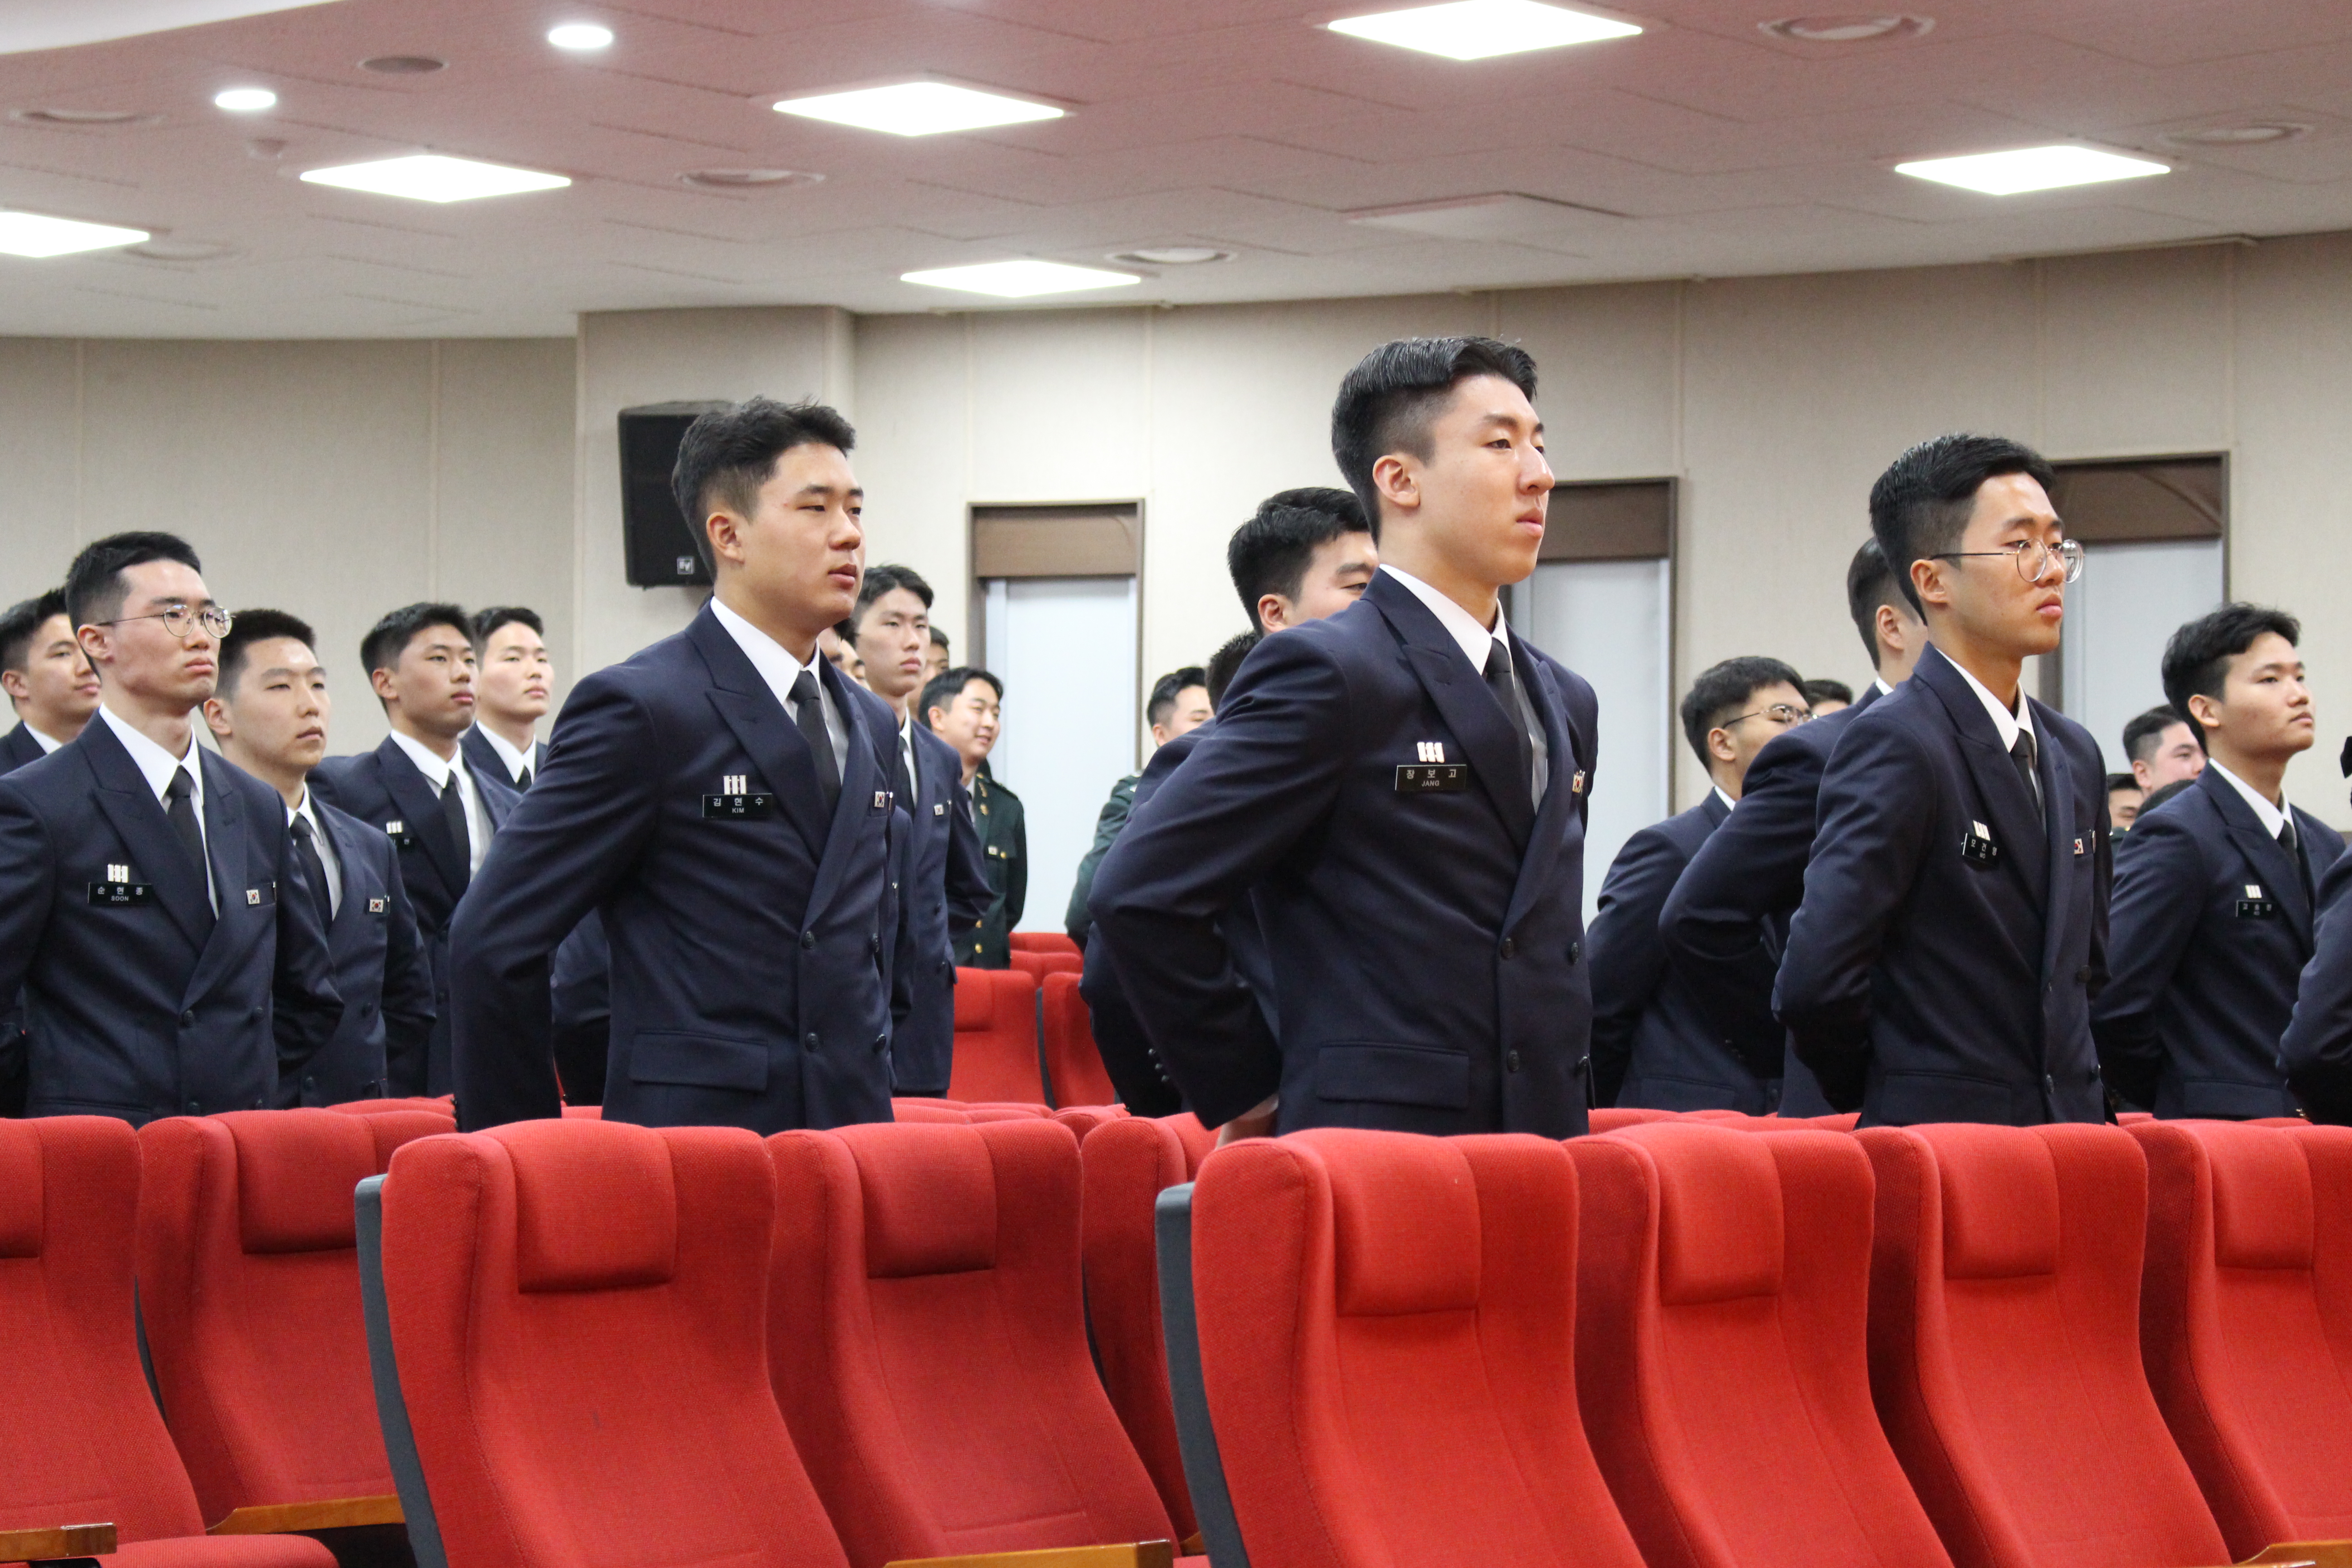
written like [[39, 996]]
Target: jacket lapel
[[1479, 725], [757, 719], [2058, 814], [1559, 801], [2000, 793], [862, 777], [2271, 866], [157, 856], [420, 807], [228, 840]]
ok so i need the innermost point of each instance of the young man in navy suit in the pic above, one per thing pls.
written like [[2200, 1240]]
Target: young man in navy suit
[[152, 905], [419, 789], [513, 682], [2213, 902], [1726, 923], [1954, 924], [2315, 1052], [1652, 1046], [727, 799], [269, 715], [48, 680], [1400, 792]]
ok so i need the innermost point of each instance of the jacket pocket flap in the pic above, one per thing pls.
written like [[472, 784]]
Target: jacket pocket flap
[[702, 1061]]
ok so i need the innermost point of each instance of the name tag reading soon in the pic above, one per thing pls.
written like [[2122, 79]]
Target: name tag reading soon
[[120, 892], [741, 808], [1433, 778]]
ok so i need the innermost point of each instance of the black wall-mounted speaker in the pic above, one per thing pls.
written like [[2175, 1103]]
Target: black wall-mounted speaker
[[658, 539]]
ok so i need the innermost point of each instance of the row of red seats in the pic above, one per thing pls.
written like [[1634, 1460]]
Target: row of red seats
[[1022, 1034]]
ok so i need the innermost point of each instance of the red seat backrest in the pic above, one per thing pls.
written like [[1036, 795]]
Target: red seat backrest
[[1073, 1064], [582, 1352], [441, 1105], [1722, 1358], [248, 1288], [1045, 942], [928, 1343], [2004, 1348], [996, 1039], [1038, 965], [1611, 1118], [1128, 1163], [2246, 1320], [1384, 1325]]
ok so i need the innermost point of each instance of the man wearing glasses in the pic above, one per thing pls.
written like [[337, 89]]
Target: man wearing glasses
[[1954, 922], [151, 901]]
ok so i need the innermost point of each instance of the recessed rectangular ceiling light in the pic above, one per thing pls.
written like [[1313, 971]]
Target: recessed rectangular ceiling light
[[36, 235], [918, 109], [2031, 169], [430, 177], [1478, 29], [1020, 280]]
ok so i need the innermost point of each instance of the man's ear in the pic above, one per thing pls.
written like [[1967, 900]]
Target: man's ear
[[2204, 711], [723, 529], [216, 719], [1928, 579], [1719, 747], [381, 679], [1894, 630], [1272, 611], [13, 683], [1398, 481], [94, 641]]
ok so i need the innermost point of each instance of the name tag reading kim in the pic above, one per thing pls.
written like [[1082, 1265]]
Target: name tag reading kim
[[2254, 906], [1433, 778], [741, 808], [119, 892]]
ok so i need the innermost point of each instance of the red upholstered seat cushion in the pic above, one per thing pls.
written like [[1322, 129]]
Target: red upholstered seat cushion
[[1722, 1362], [1072, 1059], [928, 1343], [1610, 1117], [2005, 1348], [1382, 1343], [996, 1039]]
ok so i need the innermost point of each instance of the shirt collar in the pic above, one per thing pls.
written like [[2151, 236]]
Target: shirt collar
[[43, 739], [436, 771], [2272, 817], [1884, 689], [2009, 724], [778, 667], [514, 762], [1729, 804], [156, 764], [1473, 638]]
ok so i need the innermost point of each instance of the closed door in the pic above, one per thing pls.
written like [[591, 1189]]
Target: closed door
[[2129, 601]]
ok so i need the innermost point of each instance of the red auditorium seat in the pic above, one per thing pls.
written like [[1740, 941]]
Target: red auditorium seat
[[571, 1355], [1722, 1359], [1128, 1163], [1611, 1118], [248, 1288], [1082, 1120], [2246, 1314], [2004, 1348], [996, 1039], [441, 1105], [928, 1343], [1385, 1339], [1073, 1067], [963, 1115], [1045, 942], [584, 1113], [1038, 965], [82, 1442]]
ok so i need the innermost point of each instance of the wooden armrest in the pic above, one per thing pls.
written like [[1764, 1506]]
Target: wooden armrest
[[1139, 1554], [1191, 1545], [2305, 1554], [62, 1540], [287, 1518]]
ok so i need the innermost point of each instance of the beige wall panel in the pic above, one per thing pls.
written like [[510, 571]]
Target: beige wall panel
[[39, 467], [2135, 352], [1062, 405], [1606, 374], [914, 436]]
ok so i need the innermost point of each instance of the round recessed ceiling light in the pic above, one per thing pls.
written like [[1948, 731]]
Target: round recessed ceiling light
[[245, 99], [181, 250], [748, 179], [83, 118], [2251, 134], [1172, 256], [403, 65], [1847, 29], [581, 36]]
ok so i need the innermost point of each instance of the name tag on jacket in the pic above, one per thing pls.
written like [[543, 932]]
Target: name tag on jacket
[[117, 891], [743, 807], [1432, 778], [1977, 847], [2255, 907]]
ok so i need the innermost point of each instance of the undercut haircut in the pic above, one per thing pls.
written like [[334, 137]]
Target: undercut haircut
[[2144, 736], [21, 628], [390, 637], [1920, 505], [94, 587], [728, 453], [1271, 551], [1389, 401], [253, 626], [1722, 693], [878, 581], [1226, 663], [2197, 658], [488, 621], [949, 684], [1870, 583], [1169, 687], [1822, 690]]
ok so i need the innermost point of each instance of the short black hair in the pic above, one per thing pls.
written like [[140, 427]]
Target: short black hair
[[728, 453], [1722, 692], [1271, 551], [389, 637], [2121, 781], [1823, 689], [1168, 689], [22, 623], [1870, 583], [878, 581], [2162, 796], [497, 615], [1920, 505], [2197, 658], [939, 637], [1385, 404], [258, 626], [1226, 663], [947, 685], [2145, 735], [94, 587]]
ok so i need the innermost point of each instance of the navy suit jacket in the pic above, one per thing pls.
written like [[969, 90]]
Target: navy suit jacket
[[483, 758], [1652, 1045], [1937, 971], [1425, 945], [141, 1000], [946, 888], [382, 969], [1726, 923], [751, 938], [2209, 937], [18, 747], [2315, 1052], [383, 788]]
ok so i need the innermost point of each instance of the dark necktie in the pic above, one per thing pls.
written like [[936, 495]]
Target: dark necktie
[[808, 713], [522, 779], [314, 870], [2290, 842], [905, 781], [180, 808], [1505, 688], [453, 815], [2020, 752]]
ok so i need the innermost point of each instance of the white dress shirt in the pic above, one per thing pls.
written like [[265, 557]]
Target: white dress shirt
[[1476, 642], [42, 740], [437, 774], [2272, 817], [2008, 722], [779, 670], [1884, 689], [326, 848], [1729, 804], [513, 760], [157, 765]]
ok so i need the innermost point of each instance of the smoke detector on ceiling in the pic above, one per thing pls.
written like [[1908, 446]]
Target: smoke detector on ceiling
[[403, 65], [748, 179], [1847, 29], [2246, 133]]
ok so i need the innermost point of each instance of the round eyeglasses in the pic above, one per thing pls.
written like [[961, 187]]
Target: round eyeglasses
[[1780, 714], [180, 620], [2032, 557]]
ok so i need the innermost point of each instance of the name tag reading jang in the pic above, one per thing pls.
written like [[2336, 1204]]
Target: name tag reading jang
[[1432, 778]]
